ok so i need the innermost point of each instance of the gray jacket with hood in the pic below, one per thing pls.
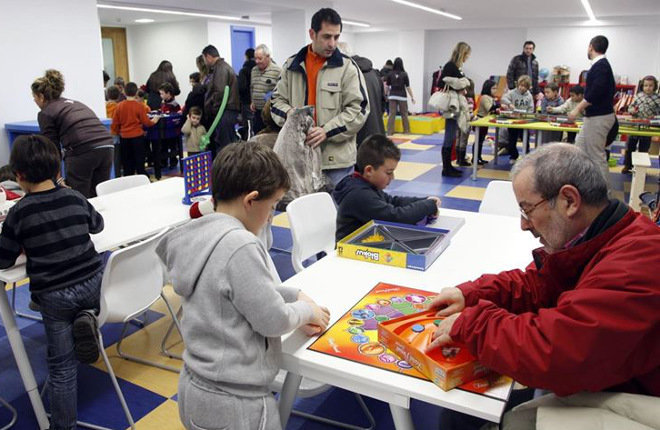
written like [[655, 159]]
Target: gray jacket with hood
[[234, 308]]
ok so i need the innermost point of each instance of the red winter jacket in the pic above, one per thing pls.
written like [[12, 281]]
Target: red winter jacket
[[588, 319]]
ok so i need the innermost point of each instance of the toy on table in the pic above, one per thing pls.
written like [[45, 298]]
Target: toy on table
[[395, 244], [639, 123], [354, 336], [448, 366], [196, 176]]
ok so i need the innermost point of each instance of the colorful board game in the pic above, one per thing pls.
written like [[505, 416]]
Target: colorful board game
[[394, 244], [355, 336], [196, 176]]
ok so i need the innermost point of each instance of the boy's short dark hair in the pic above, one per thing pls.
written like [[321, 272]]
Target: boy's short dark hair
[[35, 157], [131, 89], [195, 77], [328, 15], [600, 44], [113, 92], [243, 167], [210, 50], [195, 110], [374, 150], [167, 88], [249, 53], [7, 174], [576, 89], [140, 93], [552, 86]]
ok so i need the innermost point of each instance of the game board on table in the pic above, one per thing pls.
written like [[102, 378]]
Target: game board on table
[[355, 336], [196, 176]]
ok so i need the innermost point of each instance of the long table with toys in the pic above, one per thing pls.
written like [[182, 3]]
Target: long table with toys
[[542, 122], [360, 295]]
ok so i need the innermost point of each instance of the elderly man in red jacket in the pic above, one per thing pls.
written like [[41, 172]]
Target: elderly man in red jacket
[[585, 314]]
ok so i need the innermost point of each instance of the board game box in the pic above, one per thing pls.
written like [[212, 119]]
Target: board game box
[[355, 337], [196, 176], [448, 367], [394, 244]]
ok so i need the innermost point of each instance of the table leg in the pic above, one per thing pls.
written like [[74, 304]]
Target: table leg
[[475, 153], [637, 187], [288, 395], [526, 140], [22, 360], [497, 145], [539, 139], [402, 418]]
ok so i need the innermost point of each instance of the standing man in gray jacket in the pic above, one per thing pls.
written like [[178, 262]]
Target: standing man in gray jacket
[[321, 76]]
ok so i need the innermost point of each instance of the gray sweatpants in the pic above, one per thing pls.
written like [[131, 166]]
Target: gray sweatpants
[[204, 407], [592, 137]]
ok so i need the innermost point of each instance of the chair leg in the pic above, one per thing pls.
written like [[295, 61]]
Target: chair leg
[[175, 323], [138, 359], [108, 366], [19, 313], [328, 421], [12, 411]]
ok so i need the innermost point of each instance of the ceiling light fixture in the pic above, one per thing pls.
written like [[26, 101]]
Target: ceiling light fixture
[[144, 20], [430, 9], [169, 12], [356, 23], [587, 8]]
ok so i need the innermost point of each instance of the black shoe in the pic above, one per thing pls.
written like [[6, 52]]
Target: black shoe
[[464, 163], [452, 173], [85, 340], [481, 162], [626, 170], [503, 151]]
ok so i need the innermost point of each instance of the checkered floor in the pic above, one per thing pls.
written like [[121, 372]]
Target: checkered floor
[[151, 392]]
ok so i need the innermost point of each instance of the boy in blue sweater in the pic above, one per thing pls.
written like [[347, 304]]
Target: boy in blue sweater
[[361, 198]]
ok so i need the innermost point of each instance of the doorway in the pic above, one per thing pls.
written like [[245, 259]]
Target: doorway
[[242, 38], [115, 56]]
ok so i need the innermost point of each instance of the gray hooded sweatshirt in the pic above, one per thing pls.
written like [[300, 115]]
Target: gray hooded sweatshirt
[[234, 308]]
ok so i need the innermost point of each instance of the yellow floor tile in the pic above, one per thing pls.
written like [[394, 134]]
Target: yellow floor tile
[[493, 174], [415, 146], [165, 416], [281, 220], [407, 171], [145, 344], [466, 192]]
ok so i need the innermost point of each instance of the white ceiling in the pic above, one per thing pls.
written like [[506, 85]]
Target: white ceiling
[[387, 15]]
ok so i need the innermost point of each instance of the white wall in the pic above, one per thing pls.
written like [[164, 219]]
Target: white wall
[[409, 45], [290, 33], [219, 35], [37, 35], [178, 42], [633, 51]]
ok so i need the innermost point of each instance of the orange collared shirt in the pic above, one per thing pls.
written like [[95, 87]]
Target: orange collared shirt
[[313, 63]]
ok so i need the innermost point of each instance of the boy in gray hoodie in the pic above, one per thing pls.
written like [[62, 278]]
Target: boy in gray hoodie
[[235, 309], [519, 99]]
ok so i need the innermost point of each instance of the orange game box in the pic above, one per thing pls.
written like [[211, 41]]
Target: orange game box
[[448, 366]]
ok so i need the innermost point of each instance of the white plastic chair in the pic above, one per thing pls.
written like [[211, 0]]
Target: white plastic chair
[[132, 281], [499, 199], [12, 412], [313, 221], [121, 183]]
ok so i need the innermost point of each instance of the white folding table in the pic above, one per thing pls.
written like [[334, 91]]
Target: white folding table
[[485, 244]]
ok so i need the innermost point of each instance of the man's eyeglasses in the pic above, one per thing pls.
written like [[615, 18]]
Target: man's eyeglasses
[[525, 213]]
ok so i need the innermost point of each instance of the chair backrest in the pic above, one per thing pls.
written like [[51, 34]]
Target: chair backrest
[[121, 183], [313, 220], [132, 280], [499, 199]]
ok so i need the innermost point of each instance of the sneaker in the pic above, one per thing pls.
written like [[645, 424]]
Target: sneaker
[[464, 163], [503, 151], [452, 173], [626, 171], [482, 162], [85, 340]]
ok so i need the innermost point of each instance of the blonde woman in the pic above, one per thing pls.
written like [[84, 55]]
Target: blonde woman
[[453, 69]]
